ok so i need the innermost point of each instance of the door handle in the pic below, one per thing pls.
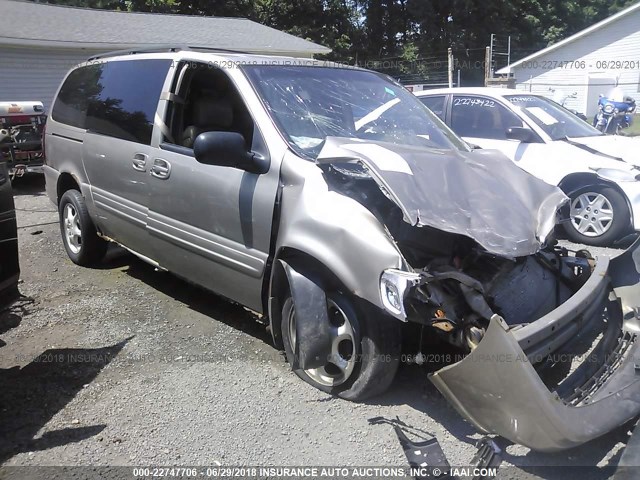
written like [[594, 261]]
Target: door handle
[[140, 162], [161, 169]]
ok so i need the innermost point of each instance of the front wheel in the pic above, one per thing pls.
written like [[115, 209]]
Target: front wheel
[[599, 215], [364, 354]]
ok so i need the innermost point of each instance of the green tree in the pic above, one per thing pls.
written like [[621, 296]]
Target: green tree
[[411, 32]]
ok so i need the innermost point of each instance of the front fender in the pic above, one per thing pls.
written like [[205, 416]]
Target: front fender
[[334, 229]]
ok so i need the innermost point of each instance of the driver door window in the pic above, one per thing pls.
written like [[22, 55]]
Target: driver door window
[[205, 101], [481, 117]]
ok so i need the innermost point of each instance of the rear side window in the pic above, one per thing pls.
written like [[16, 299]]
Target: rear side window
[[435, 104], [118, 99], [71, 104]]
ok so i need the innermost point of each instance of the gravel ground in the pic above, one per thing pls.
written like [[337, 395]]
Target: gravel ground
[[123, 365]]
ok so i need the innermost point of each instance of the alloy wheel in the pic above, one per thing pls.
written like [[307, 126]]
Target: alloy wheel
[[72, 230], [591, 214]]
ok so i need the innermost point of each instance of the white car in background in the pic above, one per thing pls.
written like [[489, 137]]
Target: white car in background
[[600, 173]]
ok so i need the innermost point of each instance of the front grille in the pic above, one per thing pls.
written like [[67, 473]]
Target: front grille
[[583, 393]]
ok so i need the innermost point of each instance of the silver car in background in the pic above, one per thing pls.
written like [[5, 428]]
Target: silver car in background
[[332, 203]]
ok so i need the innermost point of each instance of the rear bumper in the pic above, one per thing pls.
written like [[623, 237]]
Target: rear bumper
[[21, 169], [497, 388]]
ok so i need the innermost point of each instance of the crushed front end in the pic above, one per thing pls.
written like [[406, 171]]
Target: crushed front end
[[509, 384], [544, 337]]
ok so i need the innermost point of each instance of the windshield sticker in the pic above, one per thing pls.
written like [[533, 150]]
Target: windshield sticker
[[474, 102], [383, 159], [389, 91], [523, 99], [541, 115]]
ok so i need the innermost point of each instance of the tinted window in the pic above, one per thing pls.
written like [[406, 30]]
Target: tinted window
[[435, 104], [125, 102], [481, 117], [71, 104], [118, 99]]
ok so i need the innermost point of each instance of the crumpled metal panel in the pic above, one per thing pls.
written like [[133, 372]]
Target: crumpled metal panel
[[498, 390], [480, 194]]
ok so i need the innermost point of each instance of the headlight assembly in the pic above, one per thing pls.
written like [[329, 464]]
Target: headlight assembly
[[608, 108], [394, 285]]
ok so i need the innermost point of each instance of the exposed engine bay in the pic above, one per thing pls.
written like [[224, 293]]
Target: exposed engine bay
[[462, 286]]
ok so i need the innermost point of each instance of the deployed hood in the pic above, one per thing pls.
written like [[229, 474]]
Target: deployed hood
[[480, 194], [618, 146]]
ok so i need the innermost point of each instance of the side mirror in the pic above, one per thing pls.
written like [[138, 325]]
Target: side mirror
[[522, 134], [227, 149]]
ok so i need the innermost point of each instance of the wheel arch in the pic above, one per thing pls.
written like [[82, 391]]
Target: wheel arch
[[575, 181], [66, 181], [308, 266]]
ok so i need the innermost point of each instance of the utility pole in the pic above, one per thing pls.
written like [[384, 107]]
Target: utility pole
[[450, 67], [493, 36], [487, 65]]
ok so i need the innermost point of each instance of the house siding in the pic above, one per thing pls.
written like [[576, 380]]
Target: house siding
[[619, 40], [36, 73]]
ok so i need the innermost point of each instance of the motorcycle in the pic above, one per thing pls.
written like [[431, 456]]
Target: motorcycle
[[615, 112]]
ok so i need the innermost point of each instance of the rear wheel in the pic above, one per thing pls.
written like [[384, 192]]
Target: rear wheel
[[364, 353], [81, 241], [599, 215]]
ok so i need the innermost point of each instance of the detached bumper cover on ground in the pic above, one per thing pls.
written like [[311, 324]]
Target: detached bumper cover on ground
[[498, 390]]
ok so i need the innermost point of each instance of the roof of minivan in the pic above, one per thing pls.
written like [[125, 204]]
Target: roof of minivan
[[488, 91], [28, 23], [221, 58]]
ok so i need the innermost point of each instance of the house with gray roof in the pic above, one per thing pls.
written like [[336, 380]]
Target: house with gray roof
[[39, 43]]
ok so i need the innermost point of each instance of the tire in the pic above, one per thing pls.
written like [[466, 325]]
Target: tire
[[583, 209], [82, 243], [375, 351]]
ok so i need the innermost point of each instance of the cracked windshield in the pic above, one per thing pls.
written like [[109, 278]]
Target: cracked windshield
[[310, 104]]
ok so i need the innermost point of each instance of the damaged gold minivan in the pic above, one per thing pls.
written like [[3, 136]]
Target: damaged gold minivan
[[331, 202]]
